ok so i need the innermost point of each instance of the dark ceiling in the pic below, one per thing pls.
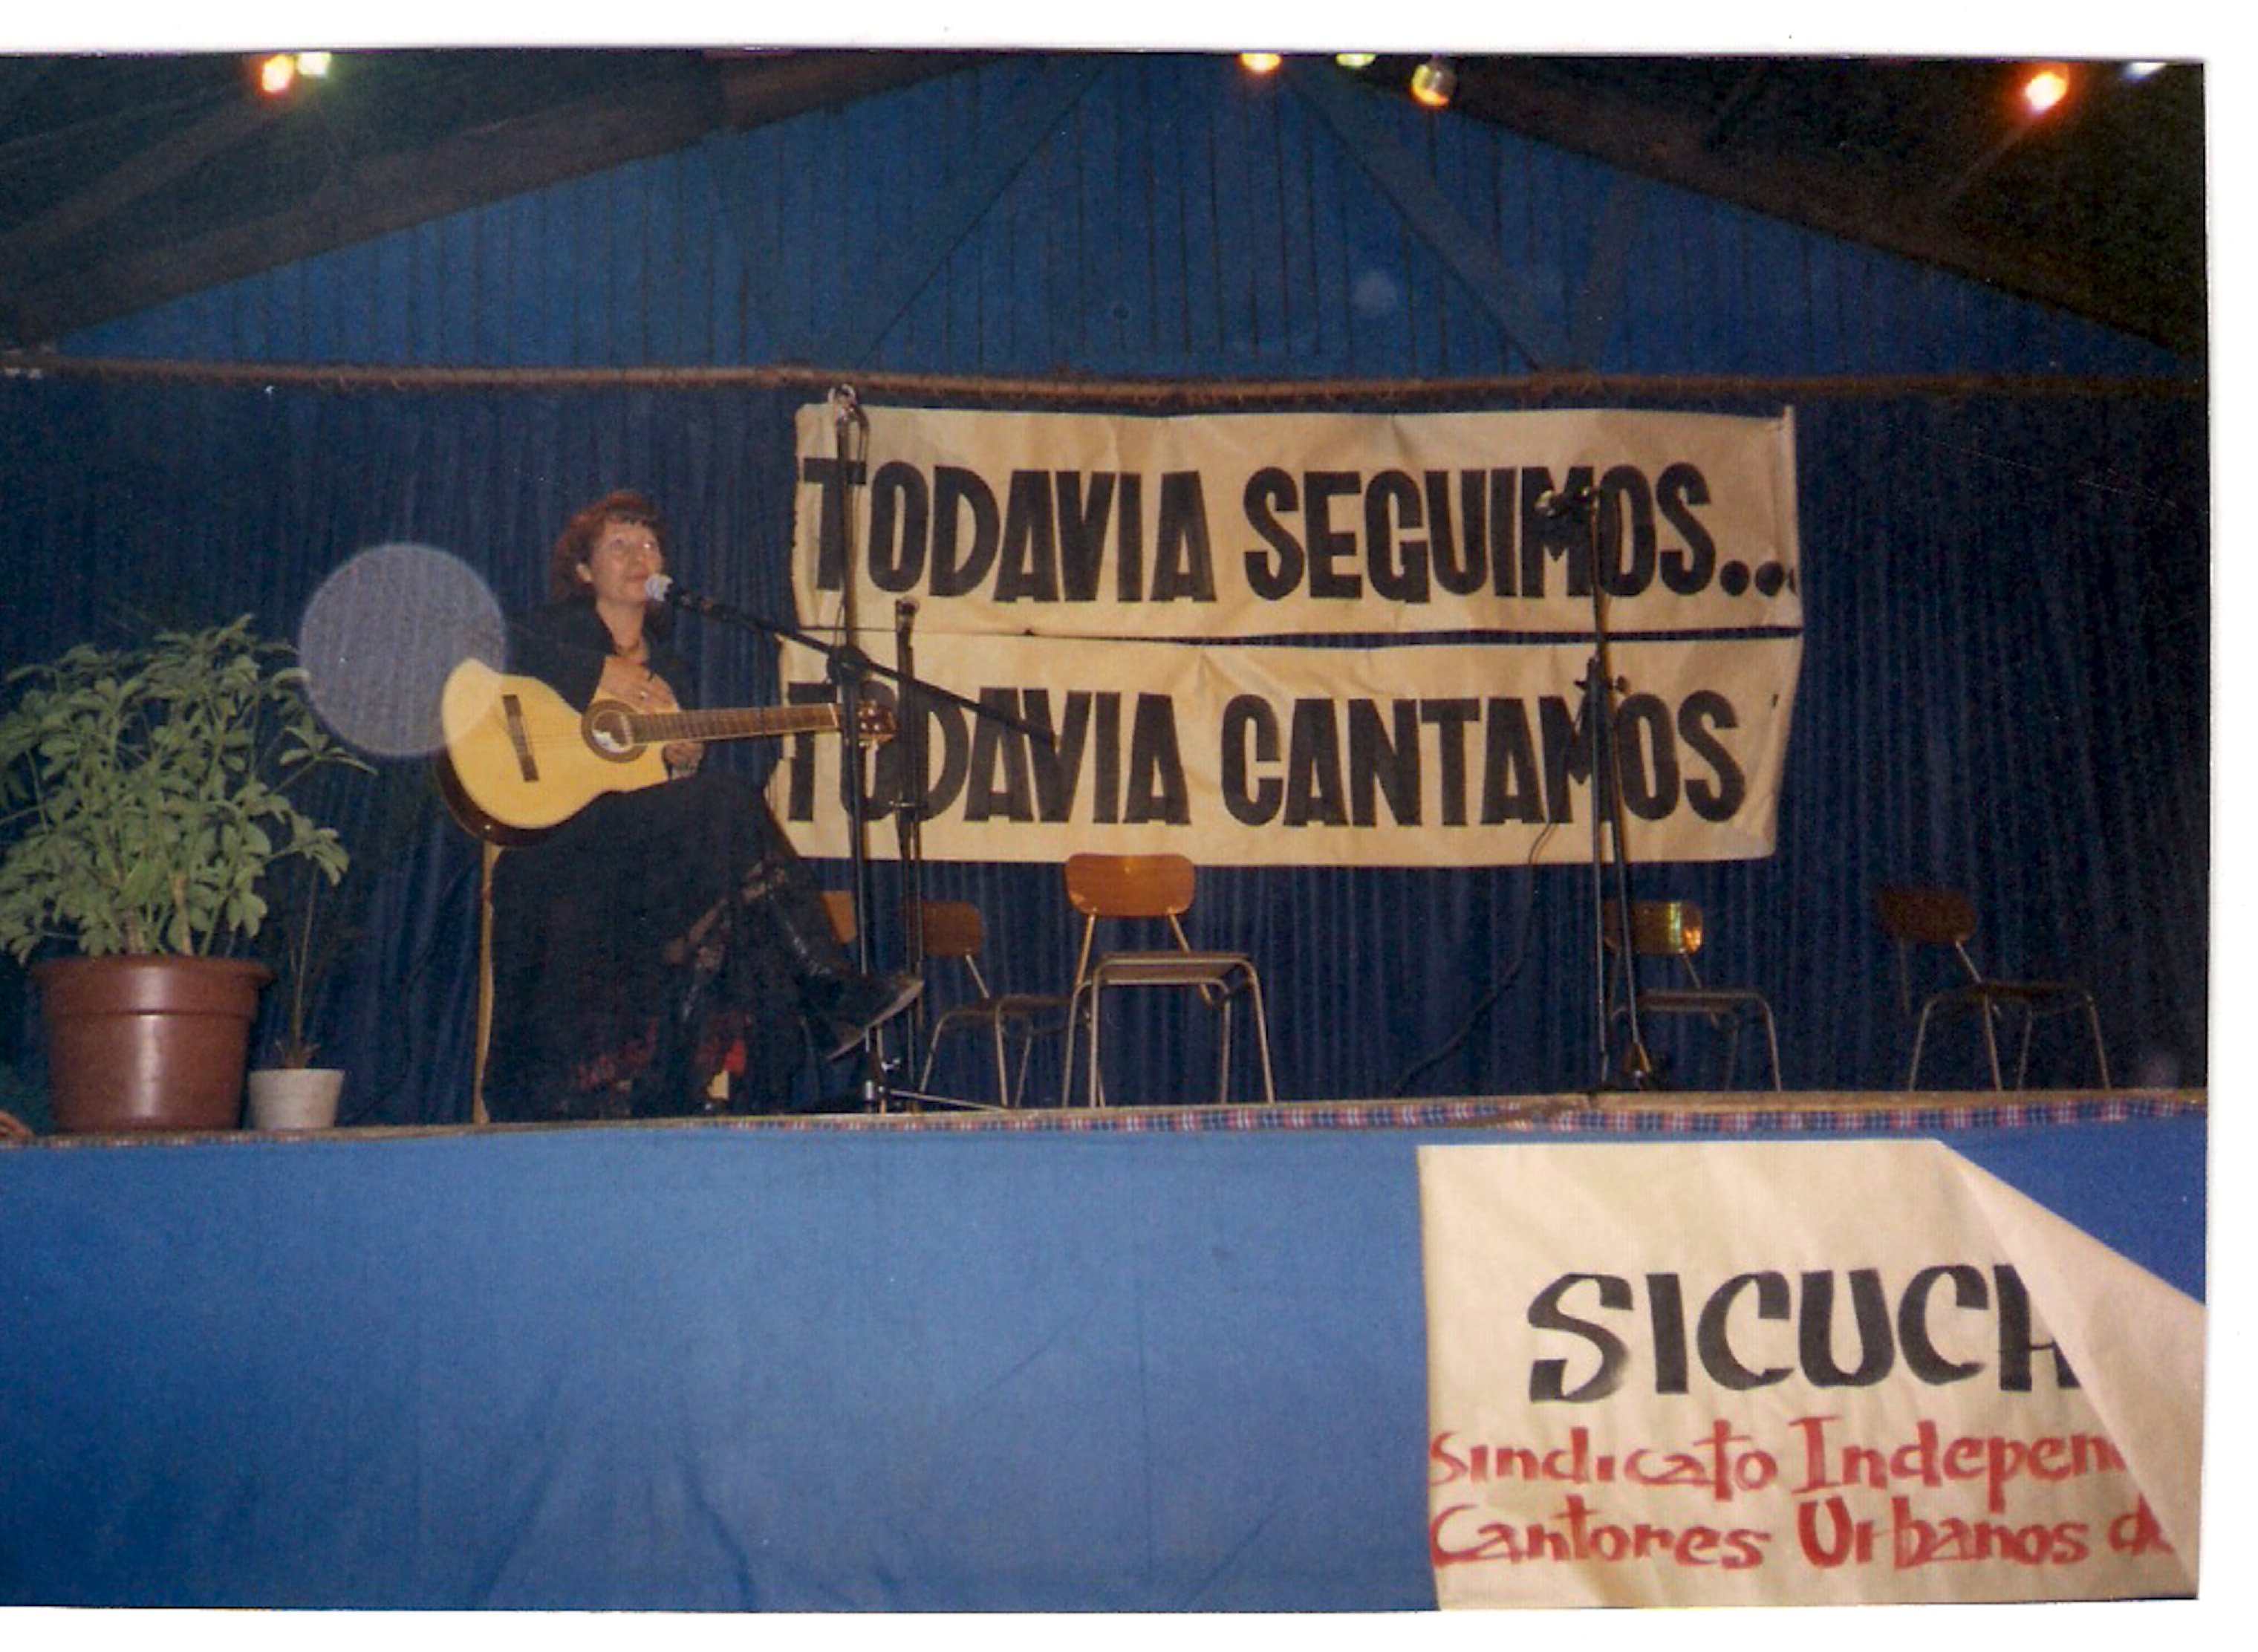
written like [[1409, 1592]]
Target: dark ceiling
[[127, 181]]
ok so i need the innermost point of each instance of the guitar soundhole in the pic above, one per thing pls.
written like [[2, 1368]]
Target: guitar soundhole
[[610, 729]]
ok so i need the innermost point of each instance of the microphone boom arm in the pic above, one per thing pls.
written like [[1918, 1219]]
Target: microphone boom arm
[[845, 657]]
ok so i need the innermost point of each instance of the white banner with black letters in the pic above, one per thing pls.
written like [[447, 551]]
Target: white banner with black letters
[[1238, 525], [1445, 755], [1769, 1373], [1104, 583]]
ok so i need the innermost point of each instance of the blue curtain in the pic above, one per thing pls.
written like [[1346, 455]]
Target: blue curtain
[[2005, 686]]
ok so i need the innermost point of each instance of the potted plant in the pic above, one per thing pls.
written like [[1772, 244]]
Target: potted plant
[[313, 922], [144, 799], [290, 1092]]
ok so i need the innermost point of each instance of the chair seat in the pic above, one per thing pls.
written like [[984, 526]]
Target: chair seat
[[1009, 1006], [2072, 995], [1705, 1001], [1026, 1004], [1171, 968]]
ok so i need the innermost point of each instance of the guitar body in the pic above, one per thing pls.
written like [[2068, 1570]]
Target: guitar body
[[520, 761]]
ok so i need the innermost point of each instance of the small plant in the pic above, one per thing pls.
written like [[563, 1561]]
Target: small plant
[[314, 921], [146, 793], [311, 941]]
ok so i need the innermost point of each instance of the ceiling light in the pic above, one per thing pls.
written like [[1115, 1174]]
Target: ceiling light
[[2046, 88], [1259, 62], [1434, 81], [2141, 71], [280, 71], [1353, 60]]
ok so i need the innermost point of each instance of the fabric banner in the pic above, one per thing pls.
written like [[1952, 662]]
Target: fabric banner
[[1755, 1373], [1443, 754], [1245, 525]]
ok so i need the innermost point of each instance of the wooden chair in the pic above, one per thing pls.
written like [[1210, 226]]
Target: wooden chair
[[1151, 889], [1919, 918], [1673, 930], [954, 932], [489, 853]]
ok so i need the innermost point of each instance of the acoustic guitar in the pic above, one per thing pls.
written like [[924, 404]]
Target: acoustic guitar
[[520, 761]]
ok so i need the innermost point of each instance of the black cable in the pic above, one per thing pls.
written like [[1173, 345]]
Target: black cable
[[1498, 987]]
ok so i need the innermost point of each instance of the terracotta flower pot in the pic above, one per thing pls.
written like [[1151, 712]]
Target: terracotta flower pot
[[144, 1042]]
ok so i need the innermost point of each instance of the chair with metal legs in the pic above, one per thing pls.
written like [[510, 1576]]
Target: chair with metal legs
[[1675, 931], [953, 931], [1153, 891], [1918, 920]]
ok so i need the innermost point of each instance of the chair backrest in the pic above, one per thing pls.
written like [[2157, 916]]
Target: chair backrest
[[953, 930], [1925, 917], [1658, 929], [1922, 916], [1129, 885]]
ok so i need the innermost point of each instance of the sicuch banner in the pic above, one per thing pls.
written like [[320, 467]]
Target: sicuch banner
[[1243, 525], [1449, 754], [1753, 1373]]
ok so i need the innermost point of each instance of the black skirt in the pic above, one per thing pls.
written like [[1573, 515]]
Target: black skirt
[[634, 960]]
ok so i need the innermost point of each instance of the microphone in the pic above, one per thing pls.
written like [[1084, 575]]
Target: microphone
[[660, 588], [905, 614], [1557, 502]]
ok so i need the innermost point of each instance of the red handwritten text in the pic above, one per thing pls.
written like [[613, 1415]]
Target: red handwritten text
[[1929, 1460], [1460, 1534]]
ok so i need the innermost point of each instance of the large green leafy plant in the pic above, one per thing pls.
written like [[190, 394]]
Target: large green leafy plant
[[146, 793]]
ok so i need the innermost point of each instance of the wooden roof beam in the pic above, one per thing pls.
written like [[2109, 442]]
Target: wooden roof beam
[[378, 196]]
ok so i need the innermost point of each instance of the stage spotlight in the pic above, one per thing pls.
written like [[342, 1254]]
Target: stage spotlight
[[2045, 88], [1259, 62], [280, 71], [1434, 81]]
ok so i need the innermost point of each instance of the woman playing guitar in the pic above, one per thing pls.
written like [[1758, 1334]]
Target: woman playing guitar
[[663, 950]]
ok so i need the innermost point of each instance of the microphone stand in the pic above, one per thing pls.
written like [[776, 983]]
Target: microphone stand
[[1608, 821], [849, 420], [909, 809], [848, 671]]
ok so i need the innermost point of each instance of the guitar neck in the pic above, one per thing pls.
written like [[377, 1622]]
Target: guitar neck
[[660, 728]]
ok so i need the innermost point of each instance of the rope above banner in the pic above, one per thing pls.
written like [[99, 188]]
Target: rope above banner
[[1150, 396]]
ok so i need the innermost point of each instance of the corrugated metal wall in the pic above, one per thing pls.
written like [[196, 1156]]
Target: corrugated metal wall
[[1150, 216]]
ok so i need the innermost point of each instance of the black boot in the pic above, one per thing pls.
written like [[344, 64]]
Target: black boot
[[841, 1002], [859, 1002]]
